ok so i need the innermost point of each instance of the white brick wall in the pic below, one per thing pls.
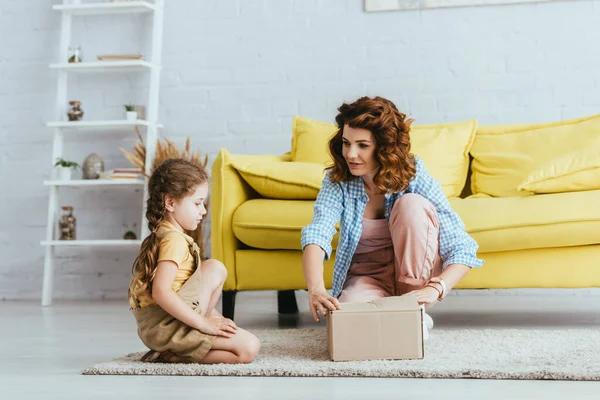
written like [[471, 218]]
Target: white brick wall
[[236, 72]]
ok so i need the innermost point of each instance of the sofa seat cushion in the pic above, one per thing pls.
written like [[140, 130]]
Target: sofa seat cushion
[[273, 224], [539, 221], [497, 224]]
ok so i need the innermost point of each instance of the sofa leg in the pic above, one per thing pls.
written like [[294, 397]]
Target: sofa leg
[[229, 303], [286, 302]]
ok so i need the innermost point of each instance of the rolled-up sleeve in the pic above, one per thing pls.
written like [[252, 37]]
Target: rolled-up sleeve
[[327, 212], [456, 245]]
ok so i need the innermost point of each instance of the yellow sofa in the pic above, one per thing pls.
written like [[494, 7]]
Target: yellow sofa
[[528, 194]]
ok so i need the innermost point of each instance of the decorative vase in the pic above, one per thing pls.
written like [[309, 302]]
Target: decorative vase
[[67, 224], [131, 115], [93, 166], [75, 113]]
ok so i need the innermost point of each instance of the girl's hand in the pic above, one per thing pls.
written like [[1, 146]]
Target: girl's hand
[[218, 325], [320, 302], [426, 295]]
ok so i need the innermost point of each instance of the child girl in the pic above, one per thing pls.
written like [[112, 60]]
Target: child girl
[[172, 293]]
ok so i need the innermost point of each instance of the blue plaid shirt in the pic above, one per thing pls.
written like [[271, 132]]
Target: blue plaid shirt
[[345, 202]]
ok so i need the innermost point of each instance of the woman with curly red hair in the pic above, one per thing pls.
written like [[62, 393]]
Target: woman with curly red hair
[[398, 234]]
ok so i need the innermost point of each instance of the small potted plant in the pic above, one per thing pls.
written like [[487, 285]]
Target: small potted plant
[[64, 168], [131, 113]]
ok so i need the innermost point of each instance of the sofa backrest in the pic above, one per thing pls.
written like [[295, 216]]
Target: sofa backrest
[[443, 147], [467, 159]]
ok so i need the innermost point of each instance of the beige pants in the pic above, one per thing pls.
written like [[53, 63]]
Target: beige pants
[[160, 331], [408, 264]]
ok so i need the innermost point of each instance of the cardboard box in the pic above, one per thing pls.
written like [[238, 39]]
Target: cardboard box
[[388, 328]]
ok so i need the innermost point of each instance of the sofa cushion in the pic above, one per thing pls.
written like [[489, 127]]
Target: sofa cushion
[[310, 140], [497, 224], [283, 179], [503, 156], [444, 148], [571, 172], [540, 221], [273, 224]]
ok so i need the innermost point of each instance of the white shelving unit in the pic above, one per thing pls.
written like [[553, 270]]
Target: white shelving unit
[[60, 126]]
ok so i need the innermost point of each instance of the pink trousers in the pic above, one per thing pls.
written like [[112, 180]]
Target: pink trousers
[[393, 259]]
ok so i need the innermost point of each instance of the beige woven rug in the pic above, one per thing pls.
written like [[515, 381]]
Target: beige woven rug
[[566, 354]]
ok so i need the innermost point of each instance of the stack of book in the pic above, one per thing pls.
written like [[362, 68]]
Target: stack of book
[[126, 173]]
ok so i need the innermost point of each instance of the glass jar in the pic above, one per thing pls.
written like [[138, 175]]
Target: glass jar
[[75, 54], [67, 224], [75, 113]]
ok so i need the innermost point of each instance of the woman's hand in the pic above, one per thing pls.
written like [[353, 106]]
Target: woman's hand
[[320, 302], [427, 295], [218, 325]]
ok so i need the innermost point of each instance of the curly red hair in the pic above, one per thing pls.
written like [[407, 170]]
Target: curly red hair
[[390, 129]]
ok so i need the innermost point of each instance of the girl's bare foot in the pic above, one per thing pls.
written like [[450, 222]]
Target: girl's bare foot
[[166, 356], [150, 356]]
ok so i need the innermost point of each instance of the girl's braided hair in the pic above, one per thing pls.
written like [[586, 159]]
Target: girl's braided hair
[[177, 178]]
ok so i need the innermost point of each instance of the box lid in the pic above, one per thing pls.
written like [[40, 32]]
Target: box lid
[[393, 303]]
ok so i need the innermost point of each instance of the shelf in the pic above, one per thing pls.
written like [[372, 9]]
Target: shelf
[[113, 243], [114, 124], [105, 66], [96, 182], [127, 7]]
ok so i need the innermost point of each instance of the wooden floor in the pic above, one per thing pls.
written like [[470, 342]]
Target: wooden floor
[[43, 350]]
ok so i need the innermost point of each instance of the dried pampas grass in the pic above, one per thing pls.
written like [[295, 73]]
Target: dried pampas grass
[[164, 151]]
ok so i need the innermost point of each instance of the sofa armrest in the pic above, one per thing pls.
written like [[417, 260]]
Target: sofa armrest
[[228, 192]]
